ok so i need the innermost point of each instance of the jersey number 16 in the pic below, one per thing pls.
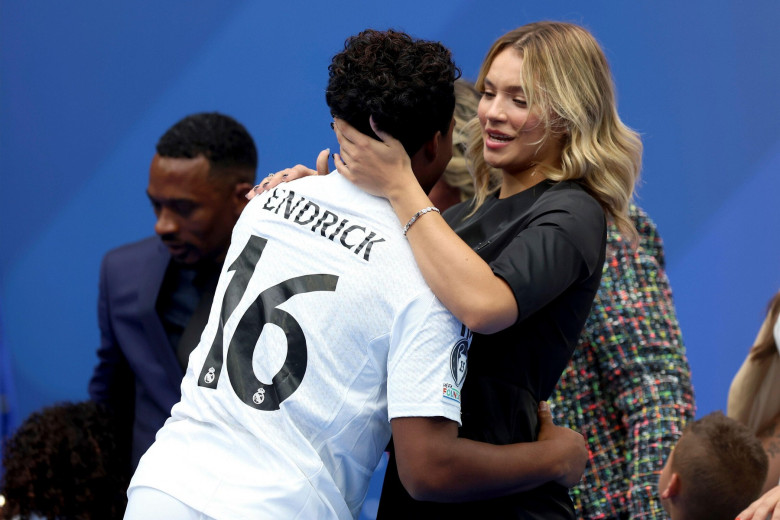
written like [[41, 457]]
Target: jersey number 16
[[264, 310]]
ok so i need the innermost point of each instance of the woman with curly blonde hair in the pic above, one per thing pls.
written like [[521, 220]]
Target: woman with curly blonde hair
[[567, 82], [521, 263]]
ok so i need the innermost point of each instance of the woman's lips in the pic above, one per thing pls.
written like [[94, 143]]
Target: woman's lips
[[495, 140]]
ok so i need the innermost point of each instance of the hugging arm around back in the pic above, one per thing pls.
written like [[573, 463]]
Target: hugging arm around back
[[434, 464]]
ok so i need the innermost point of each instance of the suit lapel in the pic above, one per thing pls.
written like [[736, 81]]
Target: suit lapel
[[147, 299]]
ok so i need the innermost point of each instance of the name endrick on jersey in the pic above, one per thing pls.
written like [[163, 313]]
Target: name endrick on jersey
[[304, 212]]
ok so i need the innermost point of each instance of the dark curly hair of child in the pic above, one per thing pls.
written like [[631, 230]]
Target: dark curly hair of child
[[405, 84], [63, 463]]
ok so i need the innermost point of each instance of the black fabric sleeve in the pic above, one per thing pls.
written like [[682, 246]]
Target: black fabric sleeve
[[560, 246]]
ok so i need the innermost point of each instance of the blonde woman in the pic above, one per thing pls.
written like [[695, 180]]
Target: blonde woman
[[521, 263]]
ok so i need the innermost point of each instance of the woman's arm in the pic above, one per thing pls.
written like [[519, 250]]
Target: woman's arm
[[457, 275], [435, 464]]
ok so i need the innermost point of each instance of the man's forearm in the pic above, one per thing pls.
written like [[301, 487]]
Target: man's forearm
[[435, 465], [476, 470]]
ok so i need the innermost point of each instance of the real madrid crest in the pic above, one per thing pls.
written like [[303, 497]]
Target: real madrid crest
[[259, 396], [209, 377]]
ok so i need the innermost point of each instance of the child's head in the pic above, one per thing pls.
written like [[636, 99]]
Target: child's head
[[716, 470], [64, 462]]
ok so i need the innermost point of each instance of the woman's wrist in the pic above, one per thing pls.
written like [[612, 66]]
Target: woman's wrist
[[402, 183], [417, 215], [407, 198]]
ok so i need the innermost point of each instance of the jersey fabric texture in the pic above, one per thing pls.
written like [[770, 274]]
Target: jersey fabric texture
[[322, 329], [547, 243]]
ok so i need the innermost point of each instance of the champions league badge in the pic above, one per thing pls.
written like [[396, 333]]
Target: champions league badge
[[209, 378], [458, 361], [259, 396]]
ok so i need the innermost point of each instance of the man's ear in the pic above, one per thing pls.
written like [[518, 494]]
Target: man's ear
[[431, 146], [672, 488], [239, 195]]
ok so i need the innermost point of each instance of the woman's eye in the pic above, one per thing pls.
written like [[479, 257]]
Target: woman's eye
[[520, 102], [488, 95]]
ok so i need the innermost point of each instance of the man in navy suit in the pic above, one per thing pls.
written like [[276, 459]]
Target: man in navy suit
[[155, 294]]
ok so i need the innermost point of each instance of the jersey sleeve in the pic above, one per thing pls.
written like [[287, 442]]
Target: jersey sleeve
[[561, 245], [426, 364]]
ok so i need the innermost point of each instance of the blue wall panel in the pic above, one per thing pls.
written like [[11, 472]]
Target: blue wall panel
[[86, 89]]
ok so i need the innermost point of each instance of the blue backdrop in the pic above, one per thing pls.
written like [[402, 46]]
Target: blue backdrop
[[87, 87]]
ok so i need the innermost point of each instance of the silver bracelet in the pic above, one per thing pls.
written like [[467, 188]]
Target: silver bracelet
[[418, 215]]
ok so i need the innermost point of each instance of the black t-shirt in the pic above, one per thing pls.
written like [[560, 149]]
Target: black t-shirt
[[548, 243]]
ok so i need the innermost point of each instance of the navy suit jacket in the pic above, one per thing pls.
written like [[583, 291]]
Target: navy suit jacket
[[138, 374]]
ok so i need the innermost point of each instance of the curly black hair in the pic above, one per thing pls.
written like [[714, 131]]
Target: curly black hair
[[224, 141], [64, 463], [406, 84]]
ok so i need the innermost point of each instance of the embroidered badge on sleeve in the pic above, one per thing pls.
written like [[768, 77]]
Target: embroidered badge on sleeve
[[458, 367]]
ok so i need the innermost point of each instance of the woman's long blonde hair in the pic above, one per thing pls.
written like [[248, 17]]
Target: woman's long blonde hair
[[566, 78]]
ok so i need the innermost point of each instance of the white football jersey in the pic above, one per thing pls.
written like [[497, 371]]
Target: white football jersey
[[322, 329]]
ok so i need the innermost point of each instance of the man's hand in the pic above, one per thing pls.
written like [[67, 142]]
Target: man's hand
[[570, 444], [290, 174]]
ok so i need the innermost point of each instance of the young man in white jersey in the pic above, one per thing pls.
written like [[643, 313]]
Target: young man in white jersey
[[322, 329]]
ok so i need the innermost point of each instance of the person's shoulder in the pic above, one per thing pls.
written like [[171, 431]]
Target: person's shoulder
[[335, 185], [333, 192], [569, 189], [571, 196], [325, 187], [152, 244], [649, 238], [334, 178], [133, 252]]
